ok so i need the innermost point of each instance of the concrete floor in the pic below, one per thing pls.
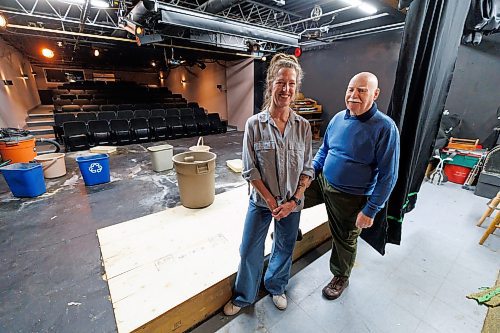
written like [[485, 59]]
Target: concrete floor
[[419, 286], [51, 274]]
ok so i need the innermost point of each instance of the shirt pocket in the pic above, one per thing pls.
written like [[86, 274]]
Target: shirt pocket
[[296, 152], [265, 152]]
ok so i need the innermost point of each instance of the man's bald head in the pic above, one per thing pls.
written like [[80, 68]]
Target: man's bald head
[[361, 92]]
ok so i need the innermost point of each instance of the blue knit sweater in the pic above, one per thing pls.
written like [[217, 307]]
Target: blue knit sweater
[[360, 155]]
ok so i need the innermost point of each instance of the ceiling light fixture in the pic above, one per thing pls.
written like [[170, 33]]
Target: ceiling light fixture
[[99, 3], [96, 53], [47, 53], [3, 21], [367, 8], [153, 63]]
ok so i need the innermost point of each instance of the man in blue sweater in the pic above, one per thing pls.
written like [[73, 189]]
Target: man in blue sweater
[[356, 168]]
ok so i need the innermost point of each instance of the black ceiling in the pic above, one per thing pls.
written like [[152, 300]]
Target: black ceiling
[[74, 31]]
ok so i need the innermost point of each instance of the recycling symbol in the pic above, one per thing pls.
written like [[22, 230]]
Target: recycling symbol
[[95, 168]]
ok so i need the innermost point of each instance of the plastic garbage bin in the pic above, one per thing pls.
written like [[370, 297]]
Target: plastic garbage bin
[[196, 178], [94, 168], [24, 179], [161, 157]]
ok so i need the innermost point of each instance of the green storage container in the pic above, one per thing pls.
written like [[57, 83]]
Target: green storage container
[[462, 160]]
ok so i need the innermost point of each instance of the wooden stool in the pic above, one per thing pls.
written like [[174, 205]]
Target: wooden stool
[[492, 205], [494, 225]]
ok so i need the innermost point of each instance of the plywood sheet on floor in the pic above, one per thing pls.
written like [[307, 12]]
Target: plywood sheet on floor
[[156, 262]]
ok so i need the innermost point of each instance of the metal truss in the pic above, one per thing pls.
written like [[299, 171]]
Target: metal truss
[[64, 14], [264, 15]]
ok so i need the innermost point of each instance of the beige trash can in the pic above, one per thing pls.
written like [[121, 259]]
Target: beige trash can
[[200, 146], [161, 157], [196, 178], [53, 164]]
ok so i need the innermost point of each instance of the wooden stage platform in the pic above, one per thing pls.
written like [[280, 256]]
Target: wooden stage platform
[[170, 270]]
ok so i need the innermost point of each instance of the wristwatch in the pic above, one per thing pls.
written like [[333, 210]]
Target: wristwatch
[[297, 200]]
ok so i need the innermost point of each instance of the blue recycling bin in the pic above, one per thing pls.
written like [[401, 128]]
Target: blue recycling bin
[[25, 180], [94, 169]]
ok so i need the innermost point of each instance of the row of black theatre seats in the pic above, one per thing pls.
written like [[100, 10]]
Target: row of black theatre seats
[[84, 95], [96, 104], [78, 134]]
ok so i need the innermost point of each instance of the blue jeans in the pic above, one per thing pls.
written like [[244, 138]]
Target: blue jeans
[[251, 266]]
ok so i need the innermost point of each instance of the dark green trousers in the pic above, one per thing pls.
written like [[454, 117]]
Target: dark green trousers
[[342, 209]]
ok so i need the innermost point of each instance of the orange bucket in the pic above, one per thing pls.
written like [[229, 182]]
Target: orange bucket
[[18, 150]]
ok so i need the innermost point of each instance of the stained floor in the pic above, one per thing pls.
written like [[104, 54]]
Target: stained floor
[[51, 274], [419, 286]]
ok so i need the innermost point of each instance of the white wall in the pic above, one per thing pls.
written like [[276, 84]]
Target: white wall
[[240, 83], [200, 86], [22, 96]]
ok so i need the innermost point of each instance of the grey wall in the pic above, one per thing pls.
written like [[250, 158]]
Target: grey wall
[[475, 90], [328, 71], [474, 93]]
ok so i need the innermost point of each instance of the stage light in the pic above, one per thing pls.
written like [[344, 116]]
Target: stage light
[[353, 2], [99, 3], [263, 58], [153, 63], [367, 8], [297, 52], [47, 53], [3, 21], [139, 31], [96, 53]]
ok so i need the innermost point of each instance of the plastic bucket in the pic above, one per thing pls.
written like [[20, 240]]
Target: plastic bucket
[[18, 149], [53, 164], [161, 157], [94, 168], [24, 179], [200, 146], [456, 173], [196, 178]]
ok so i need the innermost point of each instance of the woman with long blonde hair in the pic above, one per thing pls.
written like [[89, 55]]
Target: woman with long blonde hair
[[277, 162]]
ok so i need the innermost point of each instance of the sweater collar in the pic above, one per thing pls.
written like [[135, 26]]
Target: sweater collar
[[363, 117]]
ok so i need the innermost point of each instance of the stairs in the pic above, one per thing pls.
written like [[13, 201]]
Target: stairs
[[39, 123]]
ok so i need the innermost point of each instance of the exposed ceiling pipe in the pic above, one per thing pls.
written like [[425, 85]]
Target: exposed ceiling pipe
[[216, 6], [83, 17]]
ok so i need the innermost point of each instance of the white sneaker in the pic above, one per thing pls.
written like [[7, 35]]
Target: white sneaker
[[280, 301], [230, 309]]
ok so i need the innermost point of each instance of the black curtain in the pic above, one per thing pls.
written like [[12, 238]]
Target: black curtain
[[427, 58]]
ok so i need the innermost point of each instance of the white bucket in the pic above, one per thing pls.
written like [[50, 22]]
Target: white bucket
[[53, 164], [200, 146], [161, 157]]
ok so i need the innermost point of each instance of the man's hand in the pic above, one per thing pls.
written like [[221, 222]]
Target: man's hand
[[363, 221], [284, 210]]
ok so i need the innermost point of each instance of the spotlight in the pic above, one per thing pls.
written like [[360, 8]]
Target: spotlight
[[153, 63], [47, 53], [99, 3], [139, 31], [253, 46], [96, 53], [367, 8], [263, 58], [3, 21]]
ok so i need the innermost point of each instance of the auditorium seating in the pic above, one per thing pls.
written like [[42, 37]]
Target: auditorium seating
[[92, 113]]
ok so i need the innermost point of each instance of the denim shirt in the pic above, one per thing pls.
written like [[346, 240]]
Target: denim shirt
[[277, 159]]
